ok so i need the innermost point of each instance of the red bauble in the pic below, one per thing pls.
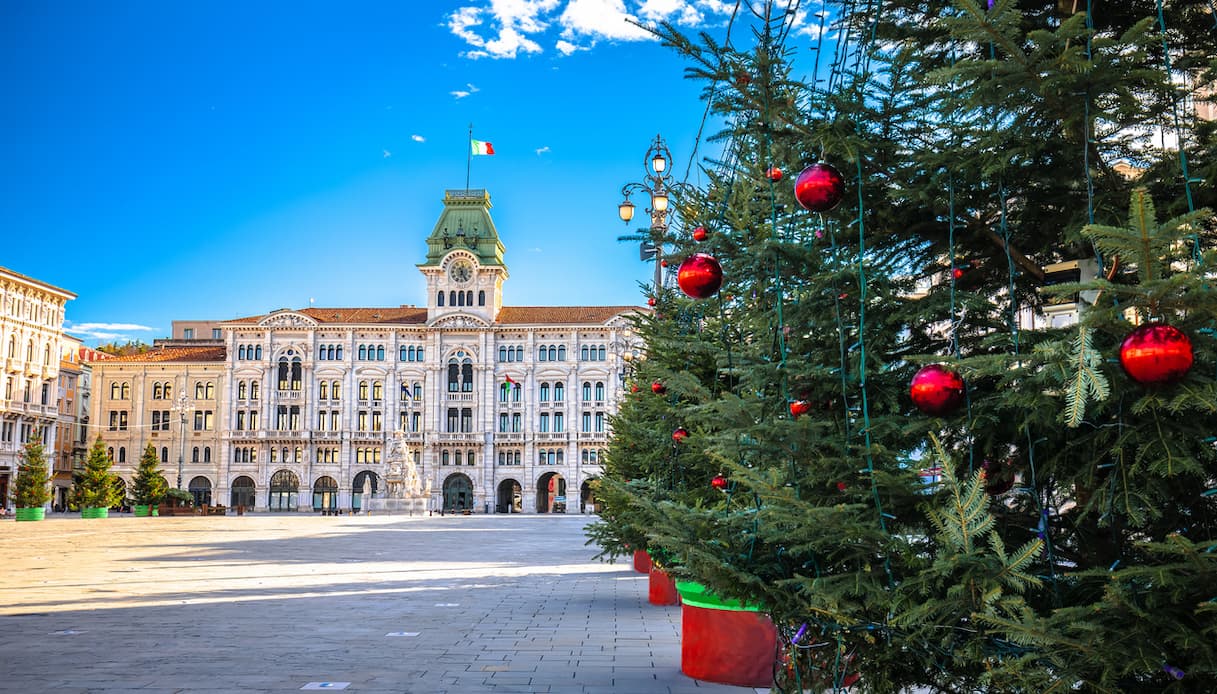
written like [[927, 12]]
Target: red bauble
[[819, 187], [841, 486], [699, 234], [719, 482], [634, 388], [936, 390], [657, 387], [680, 434], [774, 174], [799, 408], [700, 276], [663, 263], [651, 301], [1156, 354], [957, 273]]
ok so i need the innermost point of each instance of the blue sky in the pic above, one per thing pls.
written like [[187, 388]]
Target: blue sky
[[172, 160]]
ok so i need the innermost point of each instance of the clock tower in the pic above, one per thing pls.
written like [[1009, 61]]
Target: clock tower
[[464, 268]]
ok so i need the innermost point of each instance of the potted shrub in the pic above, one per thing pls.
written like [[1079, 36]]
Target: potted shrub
[[30, 491], [148, 487], [177, 502], [96, 490]]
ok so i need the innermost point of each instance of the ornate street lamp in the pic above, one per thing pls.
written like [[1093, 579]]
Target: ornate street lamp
[[183, 406], [656, 183]]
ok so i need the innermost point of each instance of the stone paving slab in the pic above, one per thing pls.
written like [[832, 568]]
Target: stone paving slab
[[269, 603]]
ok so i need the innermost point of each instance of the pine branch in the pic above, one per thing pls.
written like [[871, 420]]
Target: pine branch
[[1087, 381]]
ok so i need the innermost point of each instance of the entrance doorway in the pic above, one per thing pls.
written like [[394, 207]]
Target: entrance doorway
[[325, 494], [284, 486], [587, 500], [242, 492], [551, 493], [200, 489], [510, 497], [458, 493], [362, 489]]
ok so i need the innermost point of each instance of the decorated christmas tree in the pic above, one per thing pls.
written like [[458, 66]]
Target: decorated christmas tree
[[950, 417], [30, 489], [96, 487], [148, 487]]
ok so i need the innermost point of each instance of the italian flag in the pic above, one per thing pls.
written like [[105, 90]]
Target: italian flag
[[479, 147]]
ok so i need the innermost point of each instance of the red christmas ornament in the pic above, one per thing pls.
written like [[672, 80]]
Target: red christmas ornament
[[957, 273], [774, 174], [657, 387], [699, 234], [719, 482], [651, 301], [799, 408], [850, 680], [663, 263], [1157, 353], [841, 486], [634, 388], [819, 187], [680, 434], [936, 390], [700, 276]]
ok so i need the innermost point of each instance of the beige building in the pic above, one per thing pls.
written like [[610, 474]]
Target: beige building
[[504, 409], [32, 340]]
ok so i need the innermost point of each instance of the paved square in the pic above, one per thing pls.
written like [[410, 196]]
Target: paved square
[[276, 603]]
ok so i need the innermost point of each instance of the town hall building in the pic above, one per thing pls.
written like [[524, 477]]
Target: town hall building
[[501, 408]]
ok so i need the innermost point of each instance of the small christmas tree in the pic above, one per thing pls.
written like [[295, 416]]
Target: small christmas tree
[[96, 488], [148, 487], [30, 489]]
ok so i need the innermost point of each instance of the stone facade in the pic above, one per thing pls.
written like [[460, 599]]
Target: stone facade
[[500, 408]]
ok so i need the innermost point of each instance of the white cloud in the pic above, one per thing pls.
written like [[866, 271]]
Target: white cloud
[[105, 331], [418, 138], [459, 93], [387, 154], [542, 150], [509, 28]]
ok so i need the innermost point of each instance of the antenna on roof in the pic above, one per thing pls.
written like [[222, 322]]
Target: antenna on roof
[[310, 301]]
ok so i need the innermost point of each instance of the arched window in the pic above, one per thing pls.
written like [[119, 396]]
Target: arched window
[[198, 390], [544, 392], [587, 391], [241, 353], [46, 355], [209, 391], [156, 391], [599, 391], [553, 353], [12, 347], [337, 352], [439, 299], [418, 356], [452, 298], [29, 351], [559, 391], [122, 454], [206, 454], [481, 298], [502, 354], [297, 373], [541, 353], [363, 352], [519, 354], [460, 298], [469, 298], [418, 391], [284, 485], [600, 354], [164, 454], [258, 352], [454, 376], [242, 390], [253, 390], [284, 370], [405, 392], [561, 352], [470, 458], [380, 353], [110, 452], [378, 390], [583, 353], [443, 458], [363, 390], [194, 456], [467, 376], [401, 354], [323, 390]]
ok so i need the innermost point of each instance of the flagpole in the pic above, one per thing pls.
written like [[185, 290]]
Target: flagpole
[[468, 157]]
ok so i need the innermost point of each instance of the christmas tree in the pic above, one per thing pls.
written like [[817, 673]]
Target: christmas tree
[[1037, 512], [148, 487], [30, 489], [96, 486]]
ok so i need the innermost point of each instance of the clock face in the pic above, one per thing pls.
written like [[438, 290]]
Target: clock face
[[461, 271]]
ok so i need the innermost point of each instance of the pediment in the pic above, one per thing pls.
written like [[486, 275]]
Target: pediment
[[459, 321], [287, 319]]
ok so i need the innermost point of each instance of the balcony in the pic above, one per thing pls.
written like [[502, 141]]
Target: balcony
[[366, 436], [459, 397], [245, 435], [465, 437], [290, 395], [293, 436], [413, 436], [334, 436], [552, 436], [509, 437], [593, 436]]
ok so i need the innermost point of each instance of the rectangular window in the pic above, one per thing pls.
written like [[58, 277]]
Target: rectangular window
[[599, 422], [293, 414], [586, 422], [503, 422], [240, 420], [377, 420], [416, 420], [188, 333], [466, 420], [217, 334], [515, 422], [253, 419], [280, 418], [558, 422], [544, 421], [362, 420]]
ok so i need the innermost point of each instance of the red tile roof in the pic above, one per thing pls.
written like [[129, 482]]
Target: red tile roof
[[517, 315], [509, 315], [174, 354]]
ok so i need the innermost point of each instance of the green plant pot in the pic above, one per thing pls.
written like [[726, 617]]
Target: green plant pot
[[142, 511], [94, 513], [31, 514]]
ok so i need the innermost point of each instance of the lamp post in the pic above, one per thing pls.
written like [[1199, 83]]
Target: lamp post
[[182, 406], [657, 184]]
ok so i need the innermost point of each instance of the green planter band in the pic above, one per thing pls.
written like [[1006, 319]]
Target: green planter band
[[695, 594], [94, 513], [31, 514]]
